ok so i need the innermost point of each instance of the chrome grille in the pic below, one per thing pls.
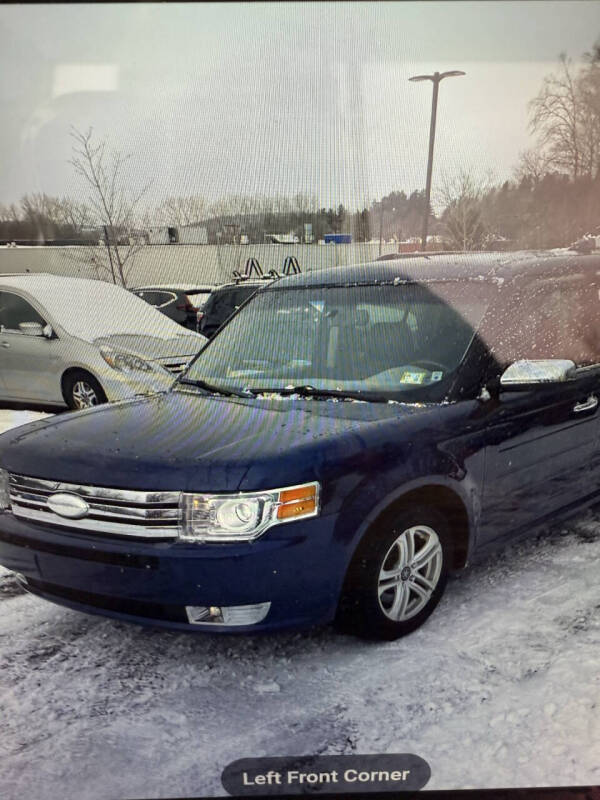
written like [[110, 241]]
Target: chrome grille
[[176, 367], [124, 512]]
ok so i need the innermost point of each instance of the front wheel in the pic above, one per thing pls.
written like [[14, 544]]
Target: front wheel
[[397, 576], [82, 390]]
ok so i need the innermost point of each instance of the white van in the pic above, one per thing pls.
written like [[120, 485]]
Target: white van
[[82, 342]]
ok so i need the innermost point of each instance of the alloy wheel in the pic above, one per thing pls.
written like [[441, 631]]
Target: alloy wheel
[[84, 395], [409, 573]]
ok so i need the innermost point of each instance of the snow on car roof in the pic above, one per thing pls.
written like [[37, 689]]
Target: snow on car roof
[[91, 309], [432, 267]]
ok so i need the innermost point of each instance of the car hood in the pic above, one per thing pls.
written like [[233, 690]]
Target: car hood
[[193, 442], [152, 348]]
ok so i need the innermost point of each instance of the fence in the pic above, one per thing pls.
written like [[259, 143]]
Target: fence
[[193, 264]]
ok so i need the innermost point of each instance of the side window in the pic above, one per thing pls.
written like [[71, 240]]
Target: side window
[[209, 304], [241, 296], [157, 299], [14, 310], [555, 319], [162, 299], [579, 324], [565, 323], [222, 303]]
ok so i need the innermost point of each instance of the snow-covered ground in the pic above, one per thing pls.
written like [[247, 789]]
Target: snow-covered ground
[[500, 688], [10, 418]]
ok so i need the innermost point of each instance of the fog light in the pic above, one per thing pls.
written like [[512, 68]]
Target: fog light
[[200, 614], [227, 615]]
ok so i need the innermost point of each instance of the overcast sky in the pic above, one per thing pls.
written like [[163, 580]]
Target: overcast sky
[[276, 97]]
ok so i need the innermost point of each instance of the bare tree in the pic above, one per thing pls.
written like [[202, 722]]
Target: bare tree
[[112, 205], [179, 211], [37, 206], [462, 218], [9, 213], [589, 93], [77, 215], [41, 209], [533, 165], [558, 116]]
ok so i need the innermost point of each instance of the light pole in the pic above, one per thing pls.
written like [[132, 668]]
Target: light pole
[[436, 78]]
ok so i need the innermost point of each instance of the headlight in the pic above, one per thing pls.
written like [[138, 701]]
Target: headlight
[[4, 490], [125, 362], [243, 517]]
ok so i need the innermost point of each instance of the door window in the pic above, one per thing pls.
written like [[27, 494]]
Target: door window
[[555, 318], [14, 310], [158, 299]]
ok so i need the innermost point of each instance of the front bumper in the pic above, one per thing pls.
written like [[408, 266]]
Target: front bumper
[[298, 568]]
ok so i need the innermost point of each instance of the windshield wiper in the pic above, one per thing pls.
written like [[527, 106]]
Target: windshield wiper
[[305, 390], [209, 387]]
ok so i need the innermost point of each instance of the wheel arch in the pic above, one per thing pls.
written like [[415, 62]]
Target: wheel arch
[[438, 496], [71, 371]]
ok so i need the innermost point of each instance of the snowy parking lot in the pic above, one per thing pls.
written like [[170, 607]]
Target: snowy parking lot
[[500, 688]]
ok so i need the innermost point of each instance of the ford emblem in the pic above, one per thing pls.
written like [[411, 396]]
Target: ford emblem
[[67, 505]]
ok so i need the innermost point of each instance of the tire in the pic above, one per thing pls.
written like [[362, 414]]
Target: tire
[[82, 390], [386, 593]]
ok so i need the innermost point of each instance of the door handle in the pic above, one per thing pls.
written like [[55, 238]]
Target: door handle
[[5, 344], [588, 405]]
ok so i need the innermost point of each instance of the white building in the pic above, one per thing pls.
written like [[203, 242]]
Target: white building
[[159, 235], [193, 234]]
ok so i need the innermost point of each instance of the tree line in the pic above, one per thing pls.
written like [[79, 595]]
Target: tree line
[[43, 218]]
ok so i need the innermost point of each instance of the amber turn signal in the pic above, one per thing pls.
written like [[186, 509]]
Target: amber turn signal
[[300, 501]]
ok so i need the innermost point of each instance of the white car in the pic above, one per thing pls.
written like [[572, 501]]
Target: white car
[[82, 342]]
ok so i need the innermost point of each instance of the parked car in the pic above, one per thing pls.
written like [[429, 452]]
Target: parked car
[[223, 302], [389, 421], [179, 302], [81, 342]]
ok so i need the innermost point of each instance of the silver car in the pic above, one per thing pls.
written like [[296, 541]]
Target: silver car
[[82, 342]]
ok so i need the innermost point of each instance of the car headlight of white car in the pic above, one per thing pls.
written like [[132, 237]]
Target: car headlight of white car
[[4, 490], [243, 517], [125, 362]]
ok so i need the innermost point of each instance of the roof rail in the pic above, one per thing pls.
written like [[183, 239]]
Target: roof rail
[[253, 268], [291, 266], [252, 265]]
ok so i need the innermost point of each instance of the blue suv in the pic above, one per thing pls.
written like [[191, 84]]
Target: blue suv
[[349, 438]]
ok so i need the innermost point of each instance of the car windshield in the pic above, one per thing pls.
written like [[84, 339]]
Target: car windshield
[[371, 340], [198, 299]]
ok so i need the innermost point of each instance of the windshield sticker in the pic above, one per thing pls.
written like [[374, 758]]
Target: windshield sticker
[[413, 377]]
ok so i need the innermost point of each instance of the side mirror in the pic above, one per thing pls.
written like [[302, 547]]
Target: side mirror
[[31, 328], [529, 374]]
